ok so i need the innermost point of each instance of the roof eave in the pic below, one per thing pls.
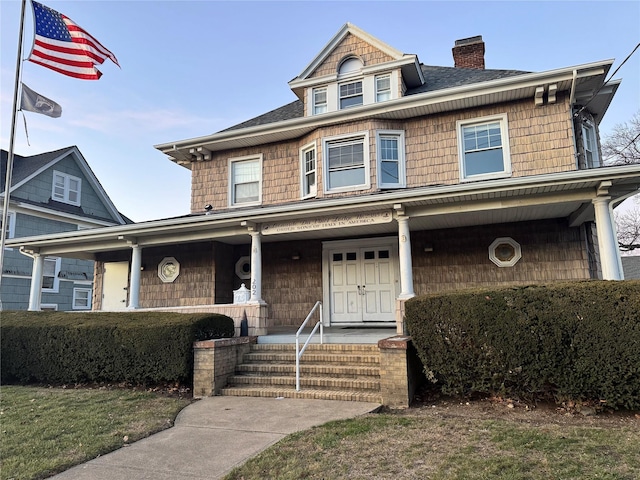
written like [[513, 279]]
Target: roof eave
[[477, 94]]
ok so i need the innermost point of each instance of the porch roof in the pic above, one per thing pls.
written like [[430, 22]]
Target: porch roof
[[560, 195]]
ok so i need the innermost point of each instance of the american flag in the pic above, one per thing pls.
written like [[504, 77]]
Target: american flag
[[65, 47]]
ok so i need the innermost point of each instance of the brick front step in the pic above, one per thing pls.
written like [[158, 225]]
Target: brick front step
[[336, 371], [311, 357], [318, 383], [313, 347], [346, 371], [273, 392]]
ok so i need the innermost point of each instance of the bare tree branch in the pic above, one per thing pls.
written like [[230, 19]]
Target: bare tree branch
[[628, 226], [622, 147]]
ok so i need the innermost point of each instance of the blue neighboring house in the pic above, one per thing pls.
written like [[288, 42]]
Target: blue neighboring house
[[52, 192]]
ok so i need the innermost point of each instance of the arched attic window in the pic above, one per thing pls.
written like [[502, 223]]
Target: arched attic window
[[350, 65], [350, 92]]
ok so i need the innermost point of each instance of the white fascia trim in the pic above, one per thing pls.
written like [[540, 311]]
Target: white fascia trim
[[42, 212], [336, 39], [526, 80], [380, 67], [384, 199]]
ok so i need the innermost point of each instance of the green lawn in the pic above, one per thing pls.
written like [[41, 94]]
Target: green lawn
[[47, 430]]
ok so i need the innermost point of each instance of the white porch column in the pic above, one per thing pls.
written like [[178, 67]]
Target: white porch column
[[404, 254], [134, 285], [36, 282], [256, 266], [607, 241]]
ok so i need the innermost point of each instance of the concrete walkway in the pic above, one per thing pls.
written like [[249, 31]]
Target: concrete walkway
[[212, 436]]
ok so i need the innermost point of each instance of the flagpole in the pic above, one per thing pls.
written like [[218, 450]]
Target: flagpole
[[14, 117]]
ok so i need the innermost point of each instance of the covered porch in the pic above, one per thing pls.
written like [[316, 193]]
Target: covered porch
[[193, 263]]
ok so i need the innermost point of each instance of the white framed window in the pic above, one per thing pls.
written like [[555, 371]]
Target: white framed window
[[483, 145], [245, 181], [319, 100], [49, 307], [50, 271], [390, 159], [350, 94], [591, 156], [10, 227], [66, 188], [383, 88], [81, 299], [308, 169], [346, 163]]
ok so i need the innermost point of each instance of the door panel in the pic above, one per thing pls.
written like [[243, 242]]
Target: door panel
[[362, 283], [115, 283]]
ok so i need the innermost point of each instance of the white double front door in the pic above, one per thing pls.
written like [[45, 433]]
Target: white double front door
[[361, 280]]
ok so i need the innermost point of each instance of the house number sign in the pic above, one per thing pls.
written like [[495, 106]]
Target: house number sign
[[328, 222]]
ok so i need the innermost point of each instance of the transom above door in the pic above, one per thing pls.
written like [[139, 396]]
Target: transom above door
[[360, 281]]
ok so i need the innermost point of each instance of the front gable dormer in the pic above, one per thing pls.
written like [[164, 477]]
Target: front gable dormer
[[355, 69]]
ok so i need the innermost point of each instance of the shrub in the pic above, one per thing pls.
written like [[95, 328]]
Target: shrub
[[578, 341], [136, 347]]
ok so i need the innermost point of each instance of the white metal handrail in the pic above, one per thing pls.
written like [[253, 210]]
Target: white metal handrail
[[299, 352]]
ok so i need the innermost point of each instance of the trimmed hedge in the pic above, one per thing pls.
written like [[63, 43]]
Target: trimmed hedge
[[578, 341], [136, 347]]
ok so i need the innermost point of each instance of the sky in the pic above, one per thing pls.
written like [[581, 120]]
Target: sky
[[193, 68]]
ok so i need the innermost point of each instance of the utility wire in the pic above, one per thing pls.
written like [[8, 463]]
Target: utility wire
[[623, 148], [602, 86]]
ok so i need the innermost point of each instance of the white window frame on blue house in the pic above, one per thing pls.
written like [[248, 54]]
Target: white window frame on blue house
[[11, 226], [63, 188], [386, 158], [80, 302], [476, 130], [50, 262]]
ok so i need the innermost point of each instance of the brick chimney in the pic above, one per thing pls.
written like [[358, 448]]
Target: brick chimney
[[469, 53]]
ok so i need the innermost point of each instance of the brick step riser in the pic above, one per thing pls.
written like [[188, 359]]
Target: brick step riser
[[314, 370], [312, 358], [314, 394], [261, 347], [317, 383]]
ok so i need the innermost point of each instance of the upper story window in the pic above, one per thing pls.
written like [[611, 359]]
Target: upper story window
[[66, 188], [11, 225], [390, 159], [308, 170], [319, 100], [484, 148], [50, 271], [383, 88], [350, 94], [590, 145], [346, 161], [245, 183]]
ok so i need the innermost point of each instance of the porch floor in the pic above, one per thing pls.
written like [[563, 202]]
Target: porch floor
[[343, 335]]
